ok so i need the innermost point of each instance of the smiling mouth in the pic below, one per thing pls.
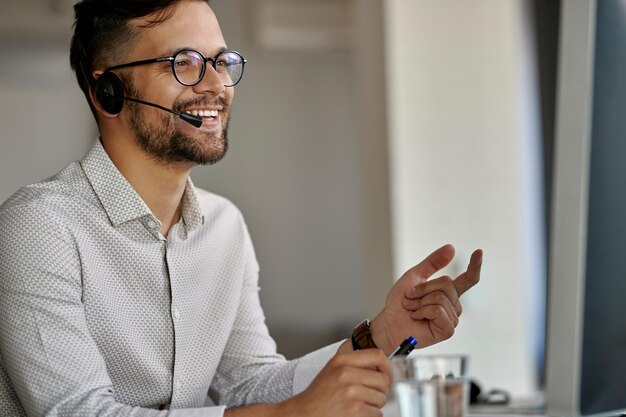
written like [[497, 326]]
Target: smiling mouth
[[204, 113]]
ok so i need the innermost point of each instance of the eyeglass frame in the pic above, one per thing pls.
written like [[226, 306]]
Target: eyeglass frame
[[172, 60]]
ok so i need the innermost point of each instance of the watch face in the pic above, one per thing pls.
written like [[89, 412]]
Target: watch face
[[361, 337]]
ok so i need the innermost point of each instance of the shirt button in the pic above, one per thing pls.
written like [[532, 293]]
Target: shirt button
[[152, 224], [178, 385], [176, 314]]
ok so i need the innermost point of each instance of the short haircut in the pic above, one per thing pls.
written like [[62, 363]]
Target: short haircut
[[103, 35]]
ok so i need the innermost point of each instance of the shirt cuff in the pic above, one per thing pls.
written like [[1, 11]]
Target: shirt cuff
[[198, 412], [310, 365]]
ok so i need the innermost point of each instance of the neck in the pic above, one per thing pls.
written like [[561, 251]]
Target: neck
[[161, 186]]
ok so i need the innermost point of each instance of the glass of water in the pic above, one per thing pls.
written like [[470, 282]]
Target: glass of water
[[431, 386]]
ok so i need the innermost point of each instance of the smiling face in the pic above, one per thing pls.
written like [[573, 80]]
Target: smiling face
[[162, 135]]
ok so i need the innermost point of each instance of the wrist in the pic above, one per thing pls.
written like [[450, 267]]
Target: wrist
[[345, 347], [294, 406], [259, 410], [381, 334]]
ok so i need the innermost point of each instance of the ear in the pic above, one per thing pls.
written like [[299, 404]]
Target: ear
[[96, 103]]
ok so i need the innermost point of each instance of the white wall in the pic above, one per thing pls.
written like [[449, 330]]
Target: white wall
[[465, 169]]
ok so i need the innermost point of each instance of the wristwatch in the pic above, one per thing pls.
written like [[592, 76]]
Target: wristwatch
[[362, 338]]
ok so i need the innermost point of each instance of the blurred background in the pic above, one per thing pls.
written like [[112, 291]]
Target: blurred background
[[365, 134]]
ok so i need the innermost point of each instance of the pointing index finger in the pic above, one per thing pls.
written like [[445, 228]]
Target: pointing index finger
[[434, 262], [421, 272]]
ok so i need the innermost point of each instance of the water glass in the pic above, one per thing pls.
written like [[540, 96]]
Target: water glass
[[431, 386]]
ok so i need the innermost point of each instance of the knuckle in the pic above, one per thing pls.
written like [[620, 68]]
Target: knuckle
[[449, 333], [355, 409], [380, 400], [352, 391], [411, 303], [343, 375], [447, 280], [439, 297], [379, 354]]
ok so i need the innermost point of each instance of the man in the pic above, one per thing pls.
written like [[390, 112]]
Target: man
[[129, 292]]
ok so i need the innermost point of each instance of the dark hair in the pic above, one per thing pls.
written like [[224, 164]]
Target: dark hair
[[102, 33]]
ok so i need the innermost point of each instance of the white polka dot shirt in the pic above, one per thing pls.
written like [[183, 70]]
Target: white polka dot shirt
[[101, 315]]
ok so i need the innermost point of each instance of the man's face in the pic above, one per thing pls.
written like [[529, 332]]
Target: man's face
[[164, 136]]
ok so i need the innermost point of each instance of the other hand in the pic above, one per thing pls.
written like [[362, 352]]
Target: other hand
[[351, 384], [426, 309]]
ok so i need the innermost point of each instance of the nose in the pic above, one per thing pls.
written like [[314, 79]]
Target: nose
[[210, 83]]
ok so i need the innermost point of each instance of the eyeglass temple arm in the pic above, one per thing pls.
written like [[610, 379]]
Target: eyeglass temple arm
[[137, 63]]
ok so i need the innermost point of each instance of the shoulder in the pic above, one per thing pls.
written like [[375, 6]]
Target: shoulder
[[37, 237], [223, 218], [47, 203], [216, 206]]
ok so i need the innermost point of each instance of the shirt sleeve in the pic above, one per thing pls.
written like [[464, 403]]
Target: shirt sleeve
[[251, 371], [310, 365], [53, 363]]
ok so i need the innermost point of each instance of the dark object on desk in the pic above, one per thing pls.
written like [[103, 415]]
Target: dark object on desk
[[493, 397]]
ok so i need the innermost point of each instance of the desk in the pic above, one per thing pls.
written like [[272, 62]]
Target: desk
[[518, 408]]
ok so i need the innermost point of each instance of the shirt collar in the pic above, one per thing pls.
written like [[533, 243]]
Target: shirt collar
[[120, 200], [190, 207]]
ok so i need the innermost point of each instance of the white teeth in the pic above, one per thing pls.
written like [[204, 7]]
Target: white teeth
[[204, 113]]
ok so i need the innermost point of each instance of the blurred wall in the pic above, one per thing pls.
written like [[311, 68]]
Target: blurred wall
[[465, 152], [44, 120]]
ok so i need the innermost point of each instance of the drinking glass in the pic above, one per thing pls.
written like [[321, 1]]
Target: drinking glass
[[431, 386]]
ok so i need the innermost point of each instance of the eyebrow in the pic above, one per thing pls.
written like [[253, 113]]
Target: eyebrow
[[171, 52]]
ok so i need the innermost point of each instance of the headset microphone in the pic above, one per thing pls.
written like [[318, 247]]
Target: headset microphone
[[189, 118], [109, 91]]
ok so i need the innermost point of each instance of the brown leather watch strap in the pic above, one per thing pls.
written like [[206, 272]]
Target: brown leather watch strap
[[362, 338]]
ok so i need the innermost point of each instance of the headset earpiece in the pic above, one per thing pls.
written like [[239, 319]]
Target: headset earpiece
[[109, 91]]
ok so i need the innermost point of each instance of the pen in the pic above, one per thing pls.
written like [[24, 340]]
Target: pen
[[405, 347]]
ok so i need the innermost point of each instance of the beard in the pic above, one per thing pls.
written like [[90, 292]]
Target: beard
[[167, 143]]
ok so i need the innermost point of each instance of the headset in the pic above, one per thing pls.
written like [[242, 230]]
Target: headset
[[109, 92]]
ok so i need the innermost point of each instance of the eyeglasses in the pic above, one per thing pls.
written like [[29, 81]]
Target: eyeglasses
[[189, 66]]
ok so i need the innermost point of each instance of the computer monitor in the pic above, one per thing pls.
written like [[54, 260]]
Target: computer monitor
[[586, 333]]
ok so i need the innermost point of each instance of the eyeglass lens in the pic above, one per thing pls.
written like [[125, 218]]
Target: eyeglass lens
[[189, 67]]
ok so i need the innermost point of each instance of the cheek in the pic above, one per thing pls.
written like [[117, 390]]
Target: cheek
[[163, 91], [229, 94]]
